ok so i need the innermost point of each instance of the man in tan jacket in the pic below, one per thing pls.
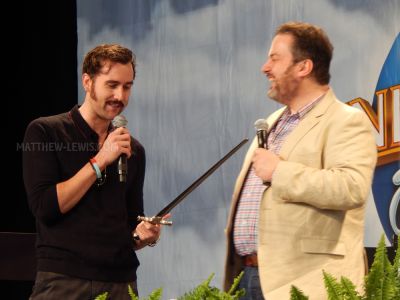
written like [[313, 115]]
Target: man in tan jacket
[[298, 207]]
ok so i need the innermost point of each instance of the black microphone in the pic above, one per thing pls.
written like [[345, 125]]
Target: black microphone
[[262, 129], [121, 121], [262, 138]]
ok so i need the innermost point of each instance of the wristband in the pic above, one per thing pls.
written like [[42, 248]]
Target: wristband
[[96, 168]]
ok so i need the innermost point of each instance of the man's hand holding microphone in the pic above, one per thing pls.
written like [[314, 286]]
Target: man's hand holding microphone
[[117, 143], [264, 161]]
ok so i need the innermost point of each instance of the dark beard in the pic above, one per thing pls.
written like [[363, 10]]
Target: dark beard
[[286, 88]]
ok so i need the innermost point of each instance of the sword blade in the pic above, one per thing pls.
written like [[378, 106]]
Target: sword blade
[[195, 184]]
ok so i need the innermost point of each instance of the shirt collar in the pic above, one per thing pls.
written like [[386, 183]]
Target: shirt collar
[[305, 109], [82, 125]]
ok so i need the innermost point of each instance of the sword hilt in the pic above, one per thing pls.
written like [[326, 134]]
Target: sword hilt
[[155, 220]]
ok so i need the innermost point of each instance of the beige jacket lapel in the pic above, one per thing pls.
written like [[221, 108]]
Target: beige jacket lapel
[[310, 120]]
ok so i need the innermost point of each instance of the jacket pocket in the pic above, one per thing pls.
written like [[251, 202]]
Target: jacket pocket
[[322, 246]]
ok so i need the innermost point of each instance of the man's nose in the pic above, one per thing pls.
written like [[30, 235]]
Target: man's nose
[[119, 93], [265, 67]]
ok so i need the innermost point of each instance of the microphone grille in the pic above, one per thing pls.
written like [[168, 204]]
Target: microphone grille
[[261, 124], [119, 121]]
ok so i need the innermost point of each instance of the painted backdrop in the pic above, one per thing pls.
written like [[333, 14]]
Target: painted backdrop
[[199, 90]]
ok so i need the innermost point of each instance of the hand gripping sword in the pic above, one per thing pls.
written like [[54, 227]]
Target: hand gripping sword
[[158, 219]]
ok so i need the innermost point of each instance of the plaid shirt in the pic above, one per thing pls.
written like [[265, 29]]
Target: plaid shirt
[[246, 219]]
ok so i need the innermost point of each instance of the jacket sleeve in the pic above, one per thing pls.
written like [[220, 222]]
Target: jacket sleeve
[[40, 173], [343, 177]]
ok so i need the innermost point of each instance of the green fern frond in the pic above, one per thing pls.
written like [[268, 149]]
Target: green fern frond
[[102, 296], [380, 282], [396, 262], [349, 289], [396, 271], [155, 295], [237, 295], [235, 284], [208, 280], [205, 291], [333, 288], [202, 291], [132, 294], [297, 294], [389, 288], [374, 280]]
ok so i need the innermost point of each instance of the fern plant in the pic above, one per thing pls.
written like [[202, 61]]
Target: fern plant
[[202, 291], [155, 295], [297, 294], [382, 282]]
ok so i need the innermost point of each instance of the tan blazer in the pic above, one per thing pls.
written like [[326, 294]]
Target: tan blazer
[[312, 217]]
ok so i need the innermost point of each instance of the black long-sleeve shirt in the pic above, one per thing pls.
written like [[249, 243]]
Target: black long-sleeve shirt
[[93, 239]]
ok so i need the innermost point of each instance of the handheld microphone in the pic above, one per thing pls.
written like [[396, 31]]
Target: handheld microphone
[[262, 138], [261, 126], [121, 121]]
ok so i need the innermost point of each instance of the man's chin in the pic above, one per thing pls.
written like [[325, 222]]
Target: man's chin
[[272, 95]]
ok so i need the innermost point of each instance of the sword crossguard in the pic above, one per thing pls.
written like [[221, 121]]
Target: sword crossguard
[[154, 220]]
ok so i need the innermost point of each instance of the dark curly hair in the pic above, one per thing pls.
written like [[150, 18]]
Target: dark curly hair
[[95, 58], [310, 42]]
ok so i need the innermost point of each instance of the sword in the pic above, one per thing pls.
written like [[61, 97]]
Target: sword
[[158, 218]]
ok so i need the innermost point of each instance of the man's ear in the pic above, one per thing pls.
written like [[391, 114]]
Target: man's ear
[[86, 82], [305, 67]]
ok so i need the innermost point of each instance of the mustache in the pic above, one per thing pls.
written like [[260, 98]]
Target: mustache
[[116, 102]]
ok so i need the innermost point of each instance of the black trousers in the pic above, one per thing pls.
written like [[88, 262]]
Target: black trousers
[[49, 285]]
